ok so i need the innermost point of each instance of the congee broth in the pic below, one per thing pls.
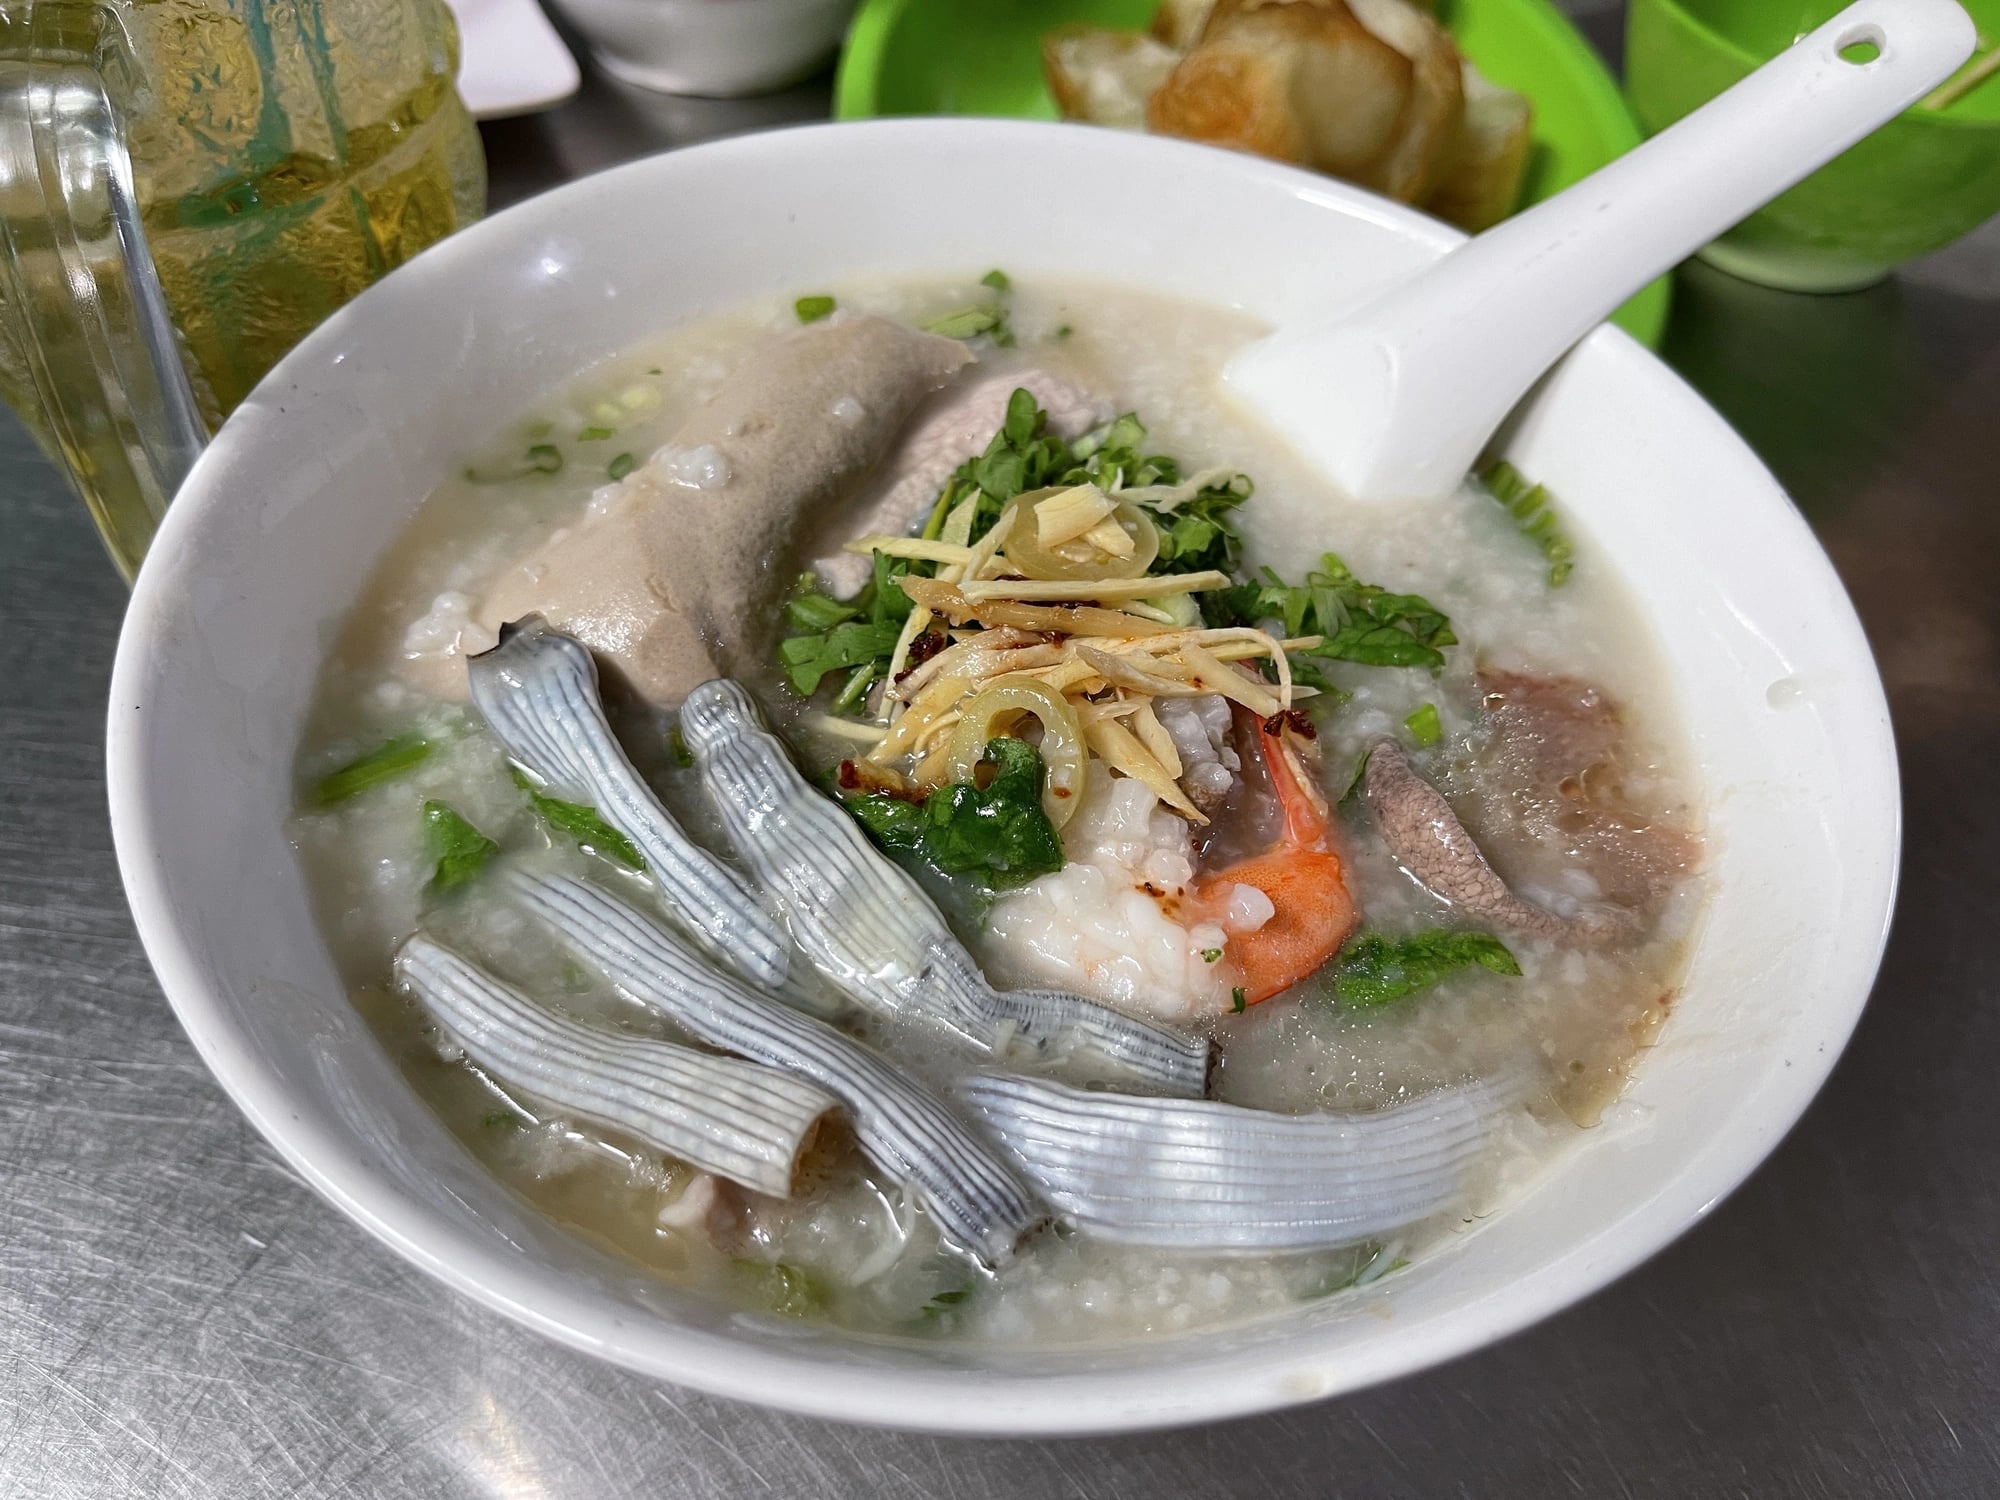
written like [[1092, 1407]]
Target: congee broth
[[899, 806]]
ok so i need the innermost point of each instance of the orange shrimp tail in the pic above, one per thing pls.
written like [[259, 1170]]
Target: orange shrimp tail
[[1305, 881], [1313, 916]]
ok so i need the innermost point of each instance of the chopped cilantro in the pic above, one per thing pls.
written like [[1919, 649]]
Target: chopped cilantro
[[971, 322], [1373, 970], [591, 833], [1239, 1000], [808, 658], [857, 636], [854, 692], [1197, 535], [1533, 510], [998, 834], [1361, 622], [541, 458], [620, 466], [677, 749], [1424, 726], [594, 434], [503, 1119], [1024, 455], [1065, 331], [988, 318], [377, 766], [812, 309], [1211, 955], [461, 851], [810, 609]]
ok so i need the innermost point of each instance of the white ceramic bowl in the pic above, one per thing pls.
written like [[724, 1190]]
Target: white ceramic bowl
[[718, 47], [313, 477]]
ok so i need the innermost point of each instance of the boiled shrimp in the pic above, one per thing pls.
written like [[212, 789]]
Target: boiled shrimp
[[1304, 880]]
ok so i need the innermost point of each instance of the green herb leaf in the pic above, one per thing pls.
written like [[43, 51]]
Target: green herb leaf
[[997, 834], [895, 822], [808, 658], [372, 769], [620, 466], [854, 692], [945, 1301], [504, 1119], [582, 824], [971, 322], [460, 850], [1023, 456], [541, 458], [1424, 726], [1360, 622], [1065, 331], [1211, 955], [857, 637], [812, 309], [997, 279], [810, 609], [1533, 510], [1373, 970], [1198, 534], [677, 749], [887, 603], [1239, 1000], [594, 434]]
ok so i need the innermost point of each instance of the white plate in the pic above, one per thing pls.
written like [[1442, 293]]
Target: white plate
[[512, 62]]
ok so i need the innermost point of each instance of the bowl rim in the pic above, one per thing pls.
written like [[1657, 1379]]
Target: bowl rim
[[942, 1400]]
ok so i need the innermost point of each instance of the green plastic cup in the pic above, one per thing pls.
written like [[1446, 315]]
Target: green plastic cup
[[1927, 177]]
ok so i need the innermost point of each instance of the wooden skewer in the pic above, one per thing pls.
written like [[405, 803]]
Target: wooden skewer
[[1981, 68]]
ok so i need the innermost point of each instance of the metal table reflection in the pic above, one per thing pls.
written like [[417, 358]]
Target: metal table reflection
[[180, 1317]]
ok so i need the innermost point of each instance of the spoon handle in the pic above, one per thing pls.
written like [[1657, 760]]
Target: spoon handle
[[1396, 399]]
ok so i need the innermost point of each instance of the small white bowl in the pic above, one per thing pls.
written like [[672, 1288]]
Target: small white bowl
[[716, 47], [318, 472]]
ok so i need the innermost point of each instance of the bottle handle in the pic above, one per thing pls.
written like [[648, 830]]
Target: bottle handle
[[77, 281]]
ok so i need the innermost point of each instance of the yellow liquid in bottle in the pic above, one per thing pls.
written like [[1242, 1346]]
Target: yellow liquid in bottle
[[284, 158]]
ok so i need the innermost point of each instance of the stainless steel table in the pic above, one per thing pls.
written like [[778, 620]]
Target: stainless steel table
[[179, 1316]]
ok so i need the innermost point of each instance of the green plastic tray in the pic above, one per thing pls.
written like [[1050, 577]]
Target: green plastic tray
[[983, 57]]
